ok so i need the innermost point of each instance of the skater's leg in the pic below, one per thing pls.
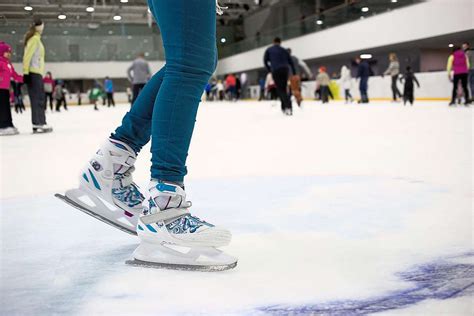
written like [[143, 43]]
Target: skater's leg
[[5, 110], [455, 88], [464, 78], [189, 30], [280, 76], [36, 93], [136, 125]]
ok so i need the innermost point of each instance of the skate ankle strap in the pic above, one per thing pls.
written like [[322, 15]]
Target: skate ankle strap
[[165, 215]]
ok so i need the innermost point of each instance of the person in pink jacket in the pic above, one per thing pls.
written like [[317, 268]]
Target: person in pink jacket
[[458, 70], [7, 72]]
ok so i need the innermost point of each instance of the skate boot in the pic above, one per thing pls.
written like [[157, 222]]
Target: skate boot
[[8, 131], [45, 128], [170, 237], [106, 188]]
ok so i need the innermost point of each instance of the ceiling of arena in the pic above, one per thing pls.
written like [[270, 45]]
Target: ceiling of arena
[[132, 11]]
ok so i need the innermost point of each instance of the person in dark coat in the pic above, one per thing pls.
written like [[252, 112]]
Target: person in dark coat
[[408, 91], [363, 73], [278, 61]]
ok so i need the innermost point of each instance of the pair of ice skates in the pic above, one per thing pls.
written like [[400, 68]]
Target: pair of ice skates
[[170, 236]]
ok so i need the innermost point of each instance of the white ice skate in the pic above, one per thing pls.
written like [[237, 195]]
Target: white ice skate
[[8, 131], [106, 190], [170, 237], [38, 129]]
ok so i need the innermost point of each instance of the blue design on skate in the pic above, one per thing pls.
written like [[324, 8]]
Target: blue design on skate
[[94, 180], [162, 187], [439, 280], [129, 195]]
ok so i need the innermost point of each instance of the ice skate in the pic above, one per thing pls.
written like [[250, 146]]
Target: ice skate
[[38, 129], [106, 188], [8, 131], [170, 237]]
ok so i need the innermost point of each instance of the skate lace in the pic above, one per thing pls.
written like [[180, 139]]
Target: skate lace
[[182, 224], [127, 192]]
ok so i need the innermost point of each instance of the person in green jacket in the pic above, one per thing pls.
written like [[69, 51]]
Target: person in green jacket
[[33, 71]]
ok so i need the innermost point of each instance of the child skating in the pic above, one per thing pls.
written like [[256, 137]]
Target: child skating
[[165, 110], [408, 90], [7, 72]]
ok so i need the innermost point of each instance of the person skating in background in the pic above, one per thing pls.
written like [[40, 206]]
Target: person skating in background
[[243, 85], [363, 73], [231, 87], [346, 83], [458, 69], [109, 90], [220, 90], [470, 56], [278, 61], [270, 87], [409, 79], [18, 97], [302, 72], [138, 73], [261, 84], [393, 71], [79, 97], [238, 88], [33, 70], [59, 95], [323, 81], [7, 72], [48, 84], [94, 95]]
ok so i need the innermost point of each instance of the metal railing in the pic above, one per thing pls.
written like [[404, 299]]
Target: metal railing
[[315, 23]]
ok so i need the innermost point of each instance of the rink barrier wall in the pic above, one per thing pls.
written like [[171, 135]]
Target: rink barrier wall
[[434, 86]]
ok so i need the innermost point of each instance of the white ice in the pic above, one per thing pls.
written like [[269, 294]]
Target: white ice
[[328, 205]]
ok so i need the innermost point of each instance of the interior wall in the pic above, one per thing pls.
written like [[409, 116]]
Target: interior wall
[[440, 17]]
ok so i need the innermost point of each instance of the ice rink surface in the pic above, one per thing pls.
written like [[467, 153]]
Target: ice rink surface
[[338, 210]]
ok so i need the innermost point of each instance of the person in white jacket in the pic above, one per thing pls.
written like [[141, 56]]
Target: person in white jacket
[[346, 83]]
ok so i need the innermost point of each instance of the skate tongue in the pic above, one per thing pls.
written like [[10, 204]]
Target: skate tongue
[[167, 195]]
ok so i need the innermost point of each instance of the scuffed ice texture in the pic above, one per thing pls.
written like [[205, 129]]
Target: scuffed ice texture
[[351, 204], [440, 280]]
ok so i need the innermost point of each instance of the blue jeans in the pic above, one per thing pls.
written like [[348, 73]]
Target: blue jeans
[[166, 108]]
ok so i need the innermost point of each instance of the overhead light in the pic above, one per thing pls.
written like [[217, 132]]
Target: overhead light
[[451, 45], [62, 16], [13, 32], [223, 40], [90, 9], [365, 56], [394, 1], [117, 17], [124, 1], [319, 22], [365, 9], [28, 7]]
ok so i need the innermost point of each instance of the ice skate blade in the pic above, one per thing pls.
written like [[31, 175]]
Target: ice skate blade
[[181, 267], [95, 215]]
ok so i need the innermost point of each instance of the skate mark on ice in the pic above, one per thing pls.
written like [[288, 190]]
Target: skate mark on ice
[[442, 279]]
